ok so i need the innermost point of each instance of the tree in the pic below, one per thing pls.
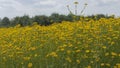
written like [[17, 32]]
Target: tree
[[15, 21], [70, 17], [54, 17], [42, 20], [5, 21], [25, 20], [0, 19], [62, 18], [98, 16]]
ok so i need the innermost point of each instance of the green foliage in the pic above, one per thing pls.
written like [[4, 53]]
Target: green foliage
[[41, 20], [5, 21], [47, 20]]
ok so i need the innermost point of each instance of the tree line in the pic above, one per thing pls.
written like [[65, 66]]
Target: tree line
[[45, 20]]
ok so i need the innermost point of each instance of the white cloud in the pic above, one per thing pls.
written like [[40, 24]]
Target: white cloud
[[12, 8], [107, 1], [47, 2]]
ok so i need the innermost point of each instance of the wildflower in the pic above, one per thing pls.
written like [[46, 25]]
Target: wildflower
[[33, 48], [108, 64], [62, 49], [19, 52], [77, 51], [115, 67], [76, 47], [89, 66], [115, 37], [112, 43], [26, 58], [17, 48], [104, 47], [91, 62], [78, 61], [35, 55], [102, 64], [78, 42], [109, 38], [22, 63], [70, 45], [87, 51], [64, 45], [30, 65], [68, 51], [106, 54], [118, 64], [114, 54], [53, 54], [68, 59], [119, 55]]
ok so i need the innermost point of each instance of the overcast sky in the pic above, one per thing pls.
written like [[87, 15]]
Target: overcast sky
[[12, 8]]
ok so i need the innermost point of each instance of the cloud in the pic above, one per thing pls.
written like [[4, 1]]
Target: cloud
[[12, 8], [109, 1], [103, 7], [46, 2]]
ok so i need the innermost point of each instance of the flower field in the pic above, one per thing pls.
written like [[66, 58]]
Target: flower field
[[82, 44]]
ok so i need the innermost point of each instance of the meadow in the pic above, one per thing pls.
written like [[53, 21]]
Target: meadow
[[83, 44]]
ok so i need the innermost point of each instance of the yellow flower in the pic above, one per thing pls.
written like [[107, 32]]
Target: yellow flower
[[26, 58], [87, 51], [119, 55], [22, 63], [112, 43], [78, 61], [33, 48], [104, 47], [11, 56], [68, 59], [68, 51], [108, 64], [76, 47], [106, 54], [17, 48], [64, 45], [53, 54], [91, 62], [89, 67], [62, 49], [114, 54], [77, 51], [70, 45], [35, 55], [102, 64], [118, 64], [30, 65], [115, 67]]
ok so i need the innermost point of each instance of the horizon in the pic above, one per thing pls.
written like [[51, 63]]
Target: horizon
[[13, 8]]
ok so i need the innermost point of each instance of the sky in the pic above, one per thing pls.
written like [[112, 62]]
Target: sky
[[13, 8]]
